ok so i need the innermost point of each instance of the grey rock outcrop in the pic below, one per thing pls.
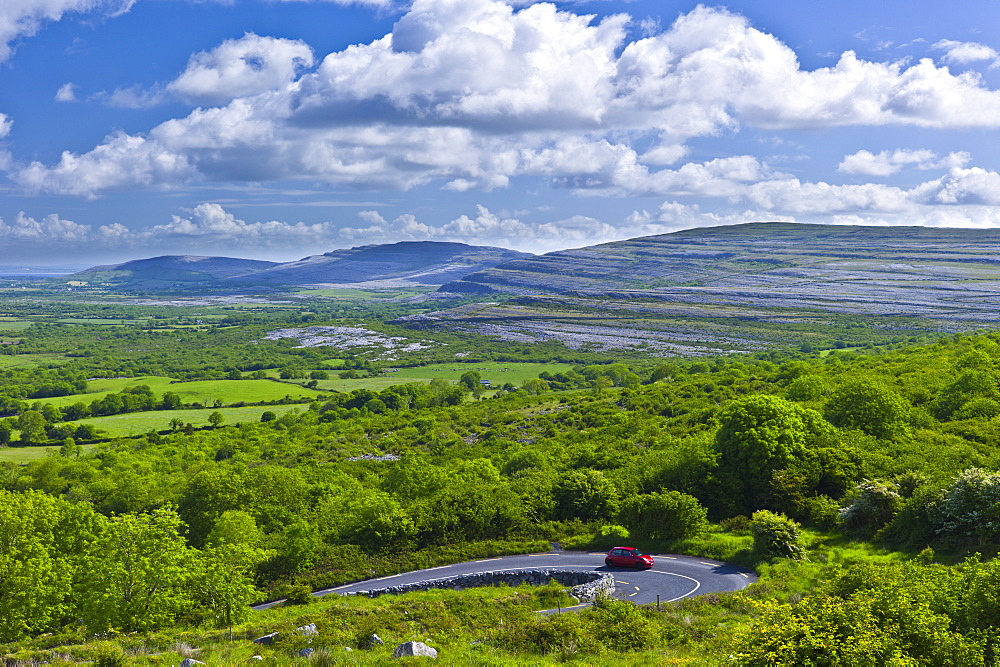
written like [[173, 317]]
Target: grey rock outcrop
[[307, 630], [414, 649], [267, 640], [190, 662]]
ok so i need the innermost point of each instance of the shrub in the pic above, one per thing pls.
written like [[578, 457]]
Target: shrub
[[664, 516], [875, 504], [775, 536], [299, 594]]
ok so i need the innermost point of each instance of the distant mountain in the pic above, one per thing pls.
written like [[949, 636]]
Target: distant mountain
[[171, 271], [407, 263], [766, 260], [739, 288], [414, 262]]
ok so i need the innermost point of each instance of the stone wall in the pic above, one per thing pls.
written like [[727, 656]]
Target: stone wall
[[585, 585]]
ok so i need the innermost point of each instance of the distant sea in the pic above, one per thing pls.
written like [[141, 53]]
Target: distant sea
[[13, 272]]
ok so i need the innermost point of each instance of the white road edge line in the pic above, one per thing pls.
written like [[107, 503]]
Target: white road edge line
[[697, 584]]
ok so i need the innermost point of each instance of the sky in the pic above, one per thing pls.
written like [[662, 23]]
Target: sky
[[277, 129]]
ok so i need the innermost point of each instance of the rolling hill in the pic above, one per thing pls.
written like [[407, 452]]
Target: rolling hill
[[740, 287], [423, 263]]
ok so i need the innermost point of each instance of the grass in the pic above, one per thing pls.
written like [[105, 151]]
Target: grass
[[137, 423], [98, 320], [197, 391], [27, 454], [498, 373], [14, 325], [31, 360]]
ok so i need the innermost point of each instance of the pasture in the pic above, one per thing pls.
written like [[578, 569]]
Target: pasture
[[498, 373], [206, 392], [22, 455], [137, 423]]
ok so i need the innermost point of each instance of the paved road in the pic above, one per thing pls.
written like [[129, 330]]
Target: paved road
[[671, 578]]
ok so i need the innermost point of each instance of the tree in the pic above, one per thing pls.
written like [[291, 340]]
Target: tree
[[42, 542], [585, 494], [216, 419], [33, 427], [971, 384], [870, 407], [69, 449], [170, 401], [235, 527], [137, 574], [758, 435], [472, 381], [665, 516]]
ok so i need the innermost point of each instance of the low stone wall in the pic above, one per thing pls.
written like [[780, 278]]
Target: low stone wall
[[585, 585]]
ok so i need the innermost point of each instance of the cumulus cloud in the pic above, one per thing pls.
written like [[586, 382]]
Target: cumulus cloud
[[23, 18], [207, 228], [50, 229], [5, 124], [963, 53], [213, 224], [66, 93], [485, 228], [887, 163], [473, 93], [239, 67]]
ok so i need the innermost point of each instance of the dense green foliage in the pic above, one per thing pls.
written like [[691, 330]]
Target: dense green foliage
[[899, 447]]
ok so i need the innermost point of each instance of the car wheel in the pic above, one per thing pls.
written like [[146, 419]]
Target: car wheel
[[608, 563], [640, 565]]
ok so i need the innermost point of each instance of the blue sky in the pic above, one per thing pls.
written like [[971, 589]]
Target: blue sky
[[278, 129]]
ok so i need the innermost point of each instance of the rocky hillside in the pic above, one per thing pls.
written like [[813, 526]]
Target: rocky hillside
[[739, 288], [398, 264], [916, 271]]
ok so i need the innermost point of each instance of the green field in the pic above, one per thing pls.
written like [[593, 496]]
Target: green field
[[497, 373], [28, 454], [31, 360], [137, 423], [10, 324], [197, 391]]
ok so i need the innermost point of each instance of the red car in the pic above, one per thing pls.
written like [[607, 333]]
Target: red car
[[628, 557]]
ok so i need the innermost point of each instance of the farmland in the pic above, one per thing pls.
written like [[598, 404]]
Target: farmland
[[205, 392]]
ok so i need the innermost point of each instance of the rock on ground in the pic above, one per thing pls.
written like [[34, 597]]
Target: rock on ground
[[414, 648]]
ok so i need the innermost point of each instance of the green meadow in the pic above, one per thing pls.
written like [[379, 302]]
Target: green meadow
[[196, 391], [498, 373], [22, 455], [137, 423], [31, 360]]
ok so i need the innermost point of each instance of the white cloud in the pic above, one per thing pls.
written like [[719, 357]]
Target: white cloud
[[50, 229], [133, 97], [887, 163], [239, 67], [23, 18], [66, 93], [211, 223], [963, 53], [367, 3], [485, 228], [474, 93], [6, 123]]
